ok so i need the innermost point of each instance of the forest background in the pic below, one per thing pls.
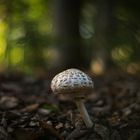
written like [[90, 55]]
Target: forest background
[[42, 35]]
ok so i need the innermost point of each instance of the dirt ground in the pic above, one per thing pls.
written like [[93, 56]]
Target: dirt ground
[[30, 111]]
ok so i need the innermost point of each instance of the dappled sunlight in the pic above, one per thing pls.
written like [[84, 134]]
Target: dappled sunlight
[[28, 28], [17, 33], [97, 66], [35, 10], [122, 54], [17, 56], [86, 24], [52, 56], [133, 68], [50, 53], [3, 43], [2, 49]]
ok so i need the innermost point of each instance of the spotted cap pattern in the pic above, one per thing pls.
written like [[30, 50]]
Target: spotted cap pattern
[[71, 80]]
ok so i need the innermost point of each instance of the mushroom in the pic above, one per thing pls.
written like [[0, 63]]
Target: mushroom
[[78, 85]]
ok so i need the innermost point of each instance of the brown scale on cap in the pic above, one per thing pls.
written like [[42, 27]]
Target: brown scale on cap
[[71, 81]]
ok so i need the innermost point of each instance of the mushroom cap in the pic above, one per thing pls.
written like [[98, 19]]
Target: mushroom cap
[[72, 81]]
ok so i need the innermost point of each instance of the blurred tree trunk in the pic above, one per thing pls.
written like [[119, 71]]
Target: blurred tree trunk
[[104, 29], [68, 41]]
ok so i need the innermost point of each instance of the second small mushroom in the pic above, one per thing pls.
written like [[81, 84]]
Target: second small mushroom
[[78, 85]]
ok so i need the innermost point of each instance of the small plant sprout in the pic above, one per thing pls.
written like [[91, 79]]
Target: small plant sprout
[[78, 85]]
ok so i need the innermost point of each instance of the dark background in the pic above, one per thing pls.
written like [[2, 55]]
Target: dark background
[[43, 35]]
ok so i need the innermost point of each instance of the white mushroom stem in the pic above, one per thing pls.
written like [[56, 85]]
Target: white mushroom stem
[[84, 113]]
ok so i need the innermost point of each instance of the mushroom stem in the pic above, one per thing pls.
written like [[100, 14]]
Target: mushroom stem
[[84, 113]]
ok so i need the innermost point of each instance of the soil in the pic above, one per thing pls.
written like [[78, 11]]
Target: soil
[[30, 111]]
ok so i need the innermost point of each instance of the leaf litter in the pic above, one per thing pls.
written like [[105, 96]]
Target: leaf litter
[[30, 111]]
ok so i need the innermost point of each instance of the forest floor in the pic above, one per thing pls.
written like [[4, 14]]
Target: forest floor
[[30, 111]]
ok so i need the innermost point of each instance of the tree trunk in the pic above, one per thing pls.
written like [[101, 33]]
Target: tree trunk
[[68, 41], [104, 28]]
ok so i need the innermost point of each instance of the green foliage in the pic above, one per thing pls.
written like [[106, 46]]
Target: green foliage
[[50, 107], [26, 30]]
